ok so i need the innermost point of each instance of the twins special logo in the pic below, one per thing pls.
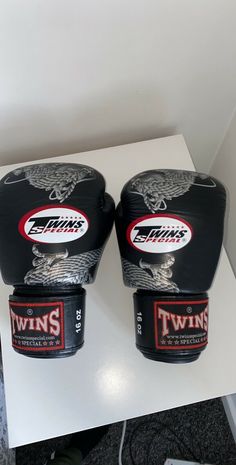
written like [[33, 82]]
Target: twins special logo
[[37, 326], [182, 322], [53, 224], [159, 233], [48, 323]]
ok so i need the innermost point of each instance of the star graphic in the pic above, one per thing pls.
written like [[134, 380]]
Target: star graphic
[[58, 342], [44, 343], [51, 343]]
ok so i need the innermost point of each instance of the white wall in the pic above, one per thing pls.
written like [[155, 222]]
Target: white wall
[[82, 74], [224, 168]]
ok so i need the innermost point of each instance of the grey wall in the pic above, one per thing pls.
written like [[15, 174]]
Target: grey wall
[[224, 168], [83, 74]]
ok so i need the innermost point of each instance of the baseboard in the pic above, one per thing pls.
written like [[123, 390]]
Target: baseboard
[[229, 403]]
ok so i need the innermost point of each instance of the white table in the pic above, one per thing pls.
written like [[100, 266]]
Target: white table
[[109, 380]]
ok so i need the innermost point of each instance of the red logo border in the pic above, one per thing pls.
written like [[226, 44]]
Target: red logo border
[[44, 207], [178, 302], [45, 304], [146, 217]]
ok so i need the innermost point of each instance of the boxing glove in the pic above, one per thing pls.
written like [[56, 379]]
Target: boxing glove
[[169, 226], [54, 221]]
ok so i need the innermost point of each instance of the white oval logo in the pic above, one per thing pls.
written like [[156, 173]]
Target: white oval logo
[[53, 224], [159, 233]]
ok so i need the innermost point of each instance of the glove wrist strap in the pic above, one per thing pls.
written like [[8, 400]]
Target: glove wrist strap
[[47, 326], [171, 328]]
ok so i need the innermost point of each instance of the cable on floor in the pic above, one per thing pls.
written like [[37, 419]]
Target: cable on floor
[[122, 440], [158, 429]]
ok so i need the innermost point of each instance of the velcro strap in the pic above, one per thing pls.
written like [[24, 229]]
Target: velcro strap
[[171, 323], [47, 326]]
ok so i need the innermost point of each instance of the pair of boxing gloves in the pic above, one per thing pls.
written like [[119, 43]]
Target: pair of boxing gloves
[[55, 219]]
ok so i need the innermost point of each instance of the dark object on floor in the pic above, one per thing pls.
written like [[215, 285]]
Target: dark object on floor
[[198, 432], [81, 444], [85, 441], [38, 452]]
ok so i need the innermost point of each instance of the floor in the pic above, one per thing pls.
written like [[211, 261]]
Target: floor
[[199, 432]]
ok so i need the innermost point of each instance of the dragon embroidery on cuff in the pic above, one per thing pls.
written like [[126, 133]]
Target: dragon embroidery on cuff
[[156, 277], [58, 268]]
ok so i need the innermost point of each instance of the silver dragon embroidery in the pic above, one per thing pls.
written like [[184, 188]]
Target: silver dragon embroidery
[[162, 185], [58, 268], [58, 178], [159, 278]]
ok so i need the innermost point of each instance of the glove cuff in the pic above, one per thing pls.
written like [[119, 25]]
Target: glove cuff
[[47, 326], [171, 328]]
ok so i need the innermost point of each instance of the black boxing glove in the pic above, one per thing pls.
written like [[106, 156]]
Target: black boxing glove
[[170, 227], [54, 221]]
